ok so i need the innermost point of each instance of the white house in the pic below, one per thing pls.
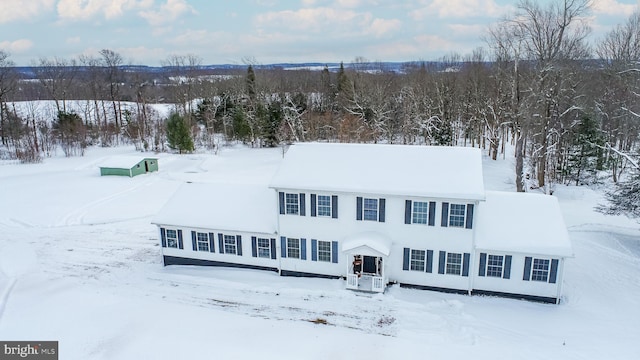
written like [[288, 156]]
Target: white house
[[373, 215]]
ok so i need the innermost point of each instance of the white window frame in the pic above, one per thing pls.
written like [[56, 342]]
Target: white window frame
[[202, 241], [324, 254], [324, 208], [540, 274], [414, 213], [262, 250], [292, 203], [492, 268], [293, 247], [171, 238], [417, 260], [455, 219], [370, 209], [230, 242], [453, 264]]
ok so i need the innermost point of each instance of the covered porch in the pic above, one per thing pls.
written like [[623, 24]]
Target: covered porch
[[367, 255]]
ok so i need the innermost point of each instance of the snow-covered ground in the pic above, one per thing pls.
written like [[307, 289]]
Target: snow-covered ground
[[80, 263]]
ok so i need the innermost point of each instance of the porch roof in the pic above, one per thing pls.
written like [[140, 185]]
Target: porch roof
[[367, 243]]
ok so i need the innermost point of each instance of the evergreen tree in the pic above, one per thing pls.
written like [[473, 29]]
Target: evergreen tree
[[585, 154], [178, 134], [241, 128], [251, 83], [271, 120]]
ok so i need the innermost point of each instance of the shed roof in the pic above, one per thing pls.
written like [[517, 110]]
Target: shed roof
[[230, 207], [403, 170], [123, 161], [522, 223]]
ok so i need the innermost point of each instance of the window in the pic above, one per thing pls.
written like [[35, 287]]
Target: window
[[264, 248], [291, 204], [202, 241], [417, 260], [172, 238], [454, 264], [324, 205], [456, 215], [293, 248], [324, 251], [540, 270], [495, 265], [230, 245], [420, 212], [370, 209]]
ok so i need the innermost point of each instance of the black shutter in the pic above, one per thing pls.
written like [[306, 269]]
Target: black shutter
[[180, 244], [527, 269], [194, 241], [469, 224], [163, 237], [281, 202], [212, 242], [441, 262], [445, 214], [465, 264], [313, 204], [432, 213], [553, 274], [254, 246], [220, 243], [239, 244], [314, 250], [283, 247], [405, 259], [303, 249], [381, 214], [273, 248], [483, 264], [359, 208], [334, 252], [302, 205], [407, 211], [429, 261], [507, 267], [334, 206]]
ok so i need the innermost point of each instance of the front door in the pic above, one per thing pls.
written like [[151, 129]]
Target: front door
[[369, 265]]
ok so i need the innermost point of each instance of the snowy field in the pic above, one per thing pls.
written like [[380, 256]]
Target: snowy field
[[80, 263]]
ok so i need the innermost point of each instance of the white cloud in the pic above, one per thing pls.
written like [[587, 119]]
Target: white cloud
[[380, 27], [87, 9], [613, 7], [325, 20], [73, 40], [13, 10], [17, 46], [463, 30], [460, 9], [168, 12]]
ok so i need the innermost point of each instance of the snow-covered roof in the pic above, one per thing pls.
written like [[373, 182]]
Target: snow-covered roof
[[522, 223], [123, 161], [224, 207], [377, 244], [403, 170]]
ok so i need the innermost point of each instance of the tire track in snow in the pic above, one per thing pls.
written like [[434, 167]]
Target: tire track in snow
[[76, 217]]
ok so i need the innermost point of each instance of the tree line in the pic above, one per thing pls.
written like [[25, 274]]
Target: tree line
[[569, 107]]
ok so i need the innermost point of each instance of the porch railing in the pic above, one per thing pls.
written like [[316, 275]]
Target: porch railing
[[377, 284], [352, 281]]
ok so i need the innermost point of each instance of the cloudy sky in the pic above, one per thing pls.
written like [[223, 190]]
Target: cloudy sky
[[267, 31]]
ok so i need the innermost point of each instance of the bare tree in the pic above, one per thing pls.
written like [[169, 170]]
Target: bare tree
[[8, 80], [57, 76]]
